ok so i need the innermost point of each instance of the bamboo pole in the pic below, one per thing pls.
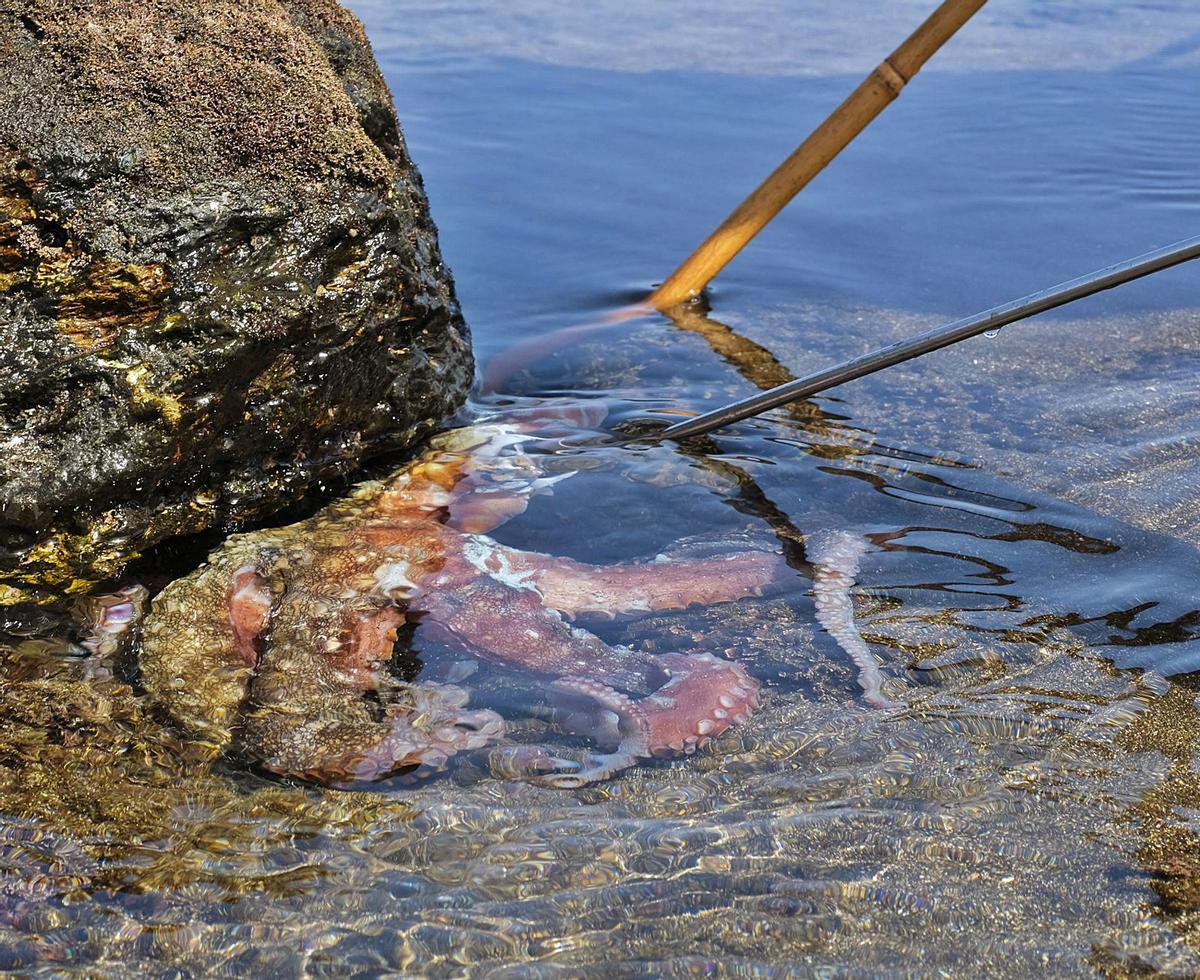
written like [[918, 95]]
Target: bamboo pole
[[872, 96]]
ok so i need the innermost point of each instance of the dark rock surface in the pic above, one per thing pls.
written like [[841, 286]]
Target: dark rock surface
[[219, 281]]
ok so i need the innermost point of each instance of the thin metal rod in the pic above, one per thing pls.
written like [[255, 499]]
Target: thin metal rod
[[937, 338]]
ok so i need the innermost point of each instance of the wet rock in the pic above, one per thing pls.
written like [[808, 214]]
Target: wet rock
[[219, 281]]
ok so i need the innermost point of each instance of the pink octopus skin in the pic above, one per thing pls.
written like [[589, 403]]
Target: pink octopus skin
[[275, 644]]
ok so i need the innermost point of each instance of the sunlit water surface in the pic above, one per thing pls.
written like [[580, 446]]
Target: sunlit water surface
[[1030, 809]]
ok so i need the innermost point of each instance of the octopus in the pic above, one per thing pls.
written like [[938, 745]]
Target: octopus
[[280, 645]]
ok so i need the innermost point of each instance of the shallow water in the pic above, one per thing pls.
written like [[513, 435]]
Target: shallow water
[[1031, 808]]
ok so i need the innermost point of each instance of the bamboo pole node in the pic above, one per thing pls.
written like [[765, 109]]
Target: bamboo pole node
[[887, 73]]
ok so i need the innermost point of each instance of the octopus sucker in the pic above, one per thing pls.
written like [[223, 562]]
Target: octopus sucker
[[108, 620], [277, 646]]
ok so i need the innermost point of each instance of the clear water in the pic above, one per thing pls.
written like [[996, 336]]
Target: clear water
[[1032, 810]]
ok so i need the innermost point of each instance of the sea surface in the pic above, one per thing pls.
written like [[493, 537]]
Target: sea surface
[[1033, 589]]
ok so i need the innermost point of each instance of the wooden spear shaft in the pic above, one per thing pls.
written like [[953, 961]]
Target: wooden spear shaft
[[849, 119]]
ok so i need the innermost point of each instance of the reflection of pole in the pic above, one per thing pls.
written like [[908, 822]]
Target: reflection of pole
[[849, 119], [751, 360], [939, 337]]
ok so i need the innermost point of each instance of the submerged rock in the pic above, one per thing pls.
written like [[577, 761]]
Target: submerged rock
[[219, 281]]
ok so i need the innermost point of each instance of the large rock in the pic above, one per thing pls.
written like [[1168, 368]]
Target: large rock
[[219, 281]]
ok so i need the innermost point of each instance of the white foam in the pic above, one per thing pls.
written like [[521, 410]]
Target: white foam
[[491, 559]]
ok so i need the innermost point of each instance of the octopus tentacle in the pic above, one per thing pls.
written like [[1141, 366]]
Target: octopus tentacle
[[493, 477], [835, 556], [340, 750], [517, 760], [702, 697], [575, 588], [506, 615], [621, 722], [595, 768], [509, 625]]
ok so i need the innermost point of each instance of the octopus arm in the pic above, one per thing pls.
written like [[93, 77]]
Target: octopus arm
[[835, 556], [510, 626], [702, 697], [337, 741], [686, 700], [667, 582]]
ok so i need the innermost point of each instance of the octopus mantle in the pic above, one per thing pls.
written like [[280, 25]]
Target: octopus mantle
[[280, 644]]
